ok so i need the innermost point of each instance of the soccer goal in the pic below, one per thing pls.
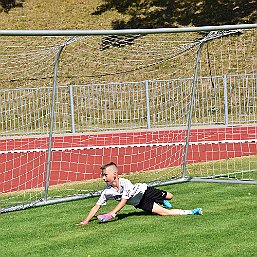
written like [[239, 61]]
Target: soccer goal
[[167, 105]]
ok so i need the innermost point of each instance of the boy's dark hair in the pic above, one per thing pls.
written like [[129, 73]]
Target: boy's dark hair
[[107, 165]]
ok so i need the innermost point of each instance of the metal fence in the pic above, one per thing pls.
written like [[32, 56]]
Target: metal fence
[[227, 99]]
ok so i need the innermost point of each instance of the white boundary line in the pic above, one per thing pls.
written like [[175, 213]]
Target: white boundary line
[[62, 149]]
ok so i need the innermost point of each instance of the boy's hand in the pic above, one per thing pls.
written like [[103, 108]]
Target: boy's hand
[[105, 217]]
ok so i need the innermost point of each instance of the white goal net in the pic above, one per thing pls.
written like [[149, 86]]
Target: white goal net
[[165, 106]]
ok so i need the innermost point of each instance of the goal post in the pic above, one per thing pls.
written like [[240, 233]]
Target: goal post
[[166, 105]]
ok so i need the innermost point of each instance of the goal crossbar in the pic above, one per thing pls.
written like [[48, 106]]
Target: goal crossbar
[[123, 31]]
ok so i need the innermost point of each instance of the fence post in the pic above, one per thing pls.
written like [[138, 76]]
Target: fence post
[[225, 84], [73, 130], [147, 104]]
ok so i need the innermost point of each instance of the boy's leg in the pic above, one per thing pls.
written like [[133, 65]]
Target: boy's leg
[[159, 196], [157, 209]]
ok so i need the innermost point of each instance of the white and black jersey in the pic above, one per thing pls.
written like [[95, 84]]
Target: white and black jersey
[[132, 193]]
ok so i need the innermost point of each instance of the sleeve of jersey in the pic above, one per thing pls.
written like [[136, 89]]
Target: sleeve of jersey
[[102, 199], [128, 188]]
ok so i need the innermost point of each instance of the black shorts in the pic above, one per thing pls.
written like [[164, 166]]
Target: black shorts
[[152, 195]]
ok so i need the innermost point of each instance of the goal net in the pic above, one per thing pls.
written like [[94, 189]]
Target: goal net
[[166, 106]]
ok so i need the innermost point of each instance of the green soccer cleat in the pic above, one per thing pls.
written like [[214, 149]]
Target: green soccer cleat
[[197, 211], [167, 204]]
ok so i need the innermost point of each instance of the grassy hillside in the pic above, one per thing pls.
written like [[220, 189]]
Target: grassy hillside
[[150, 57], [28, 62], [56, 14]]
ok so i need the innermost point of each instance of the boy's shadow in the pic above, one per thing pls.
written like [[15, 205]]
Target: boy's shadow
[[136, 213], [126, 215]]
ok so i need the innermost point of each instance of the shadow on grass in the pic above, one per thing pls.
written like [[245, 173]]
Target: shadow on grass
[[126, 215]]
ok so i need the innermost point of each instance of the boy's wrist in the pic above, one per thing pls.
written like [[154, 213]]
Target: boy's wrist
[[84, 222], [113, 214]]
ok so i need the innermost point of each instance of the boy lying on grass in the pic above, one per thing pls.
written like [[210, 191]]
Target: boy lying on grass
[[140, 195]]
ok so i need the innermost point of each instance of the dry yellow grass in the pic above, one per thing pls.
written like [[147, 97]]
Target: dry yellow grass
[[56, 14]]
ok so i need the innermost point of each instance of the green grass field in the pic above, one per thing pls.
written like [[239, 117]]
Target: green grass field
[[227, 228]]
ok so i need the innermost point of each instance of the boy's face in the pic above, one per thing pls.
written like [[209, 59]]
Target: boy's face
[[109, 175]]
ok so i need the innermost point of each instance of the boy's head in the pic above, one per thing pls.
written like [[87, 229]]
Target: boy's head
[[109, 172]]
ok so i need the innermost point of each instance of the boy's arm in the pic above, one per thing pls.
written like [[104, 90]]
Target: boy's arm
[[91, 214], [119, 206]]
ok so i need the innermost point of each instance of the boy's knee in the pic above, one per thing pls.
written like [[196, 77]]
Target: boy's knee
[[169, 196]]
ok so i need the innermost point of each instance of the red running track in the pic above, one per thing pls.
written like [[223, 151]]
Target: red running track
[[78, 157]]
